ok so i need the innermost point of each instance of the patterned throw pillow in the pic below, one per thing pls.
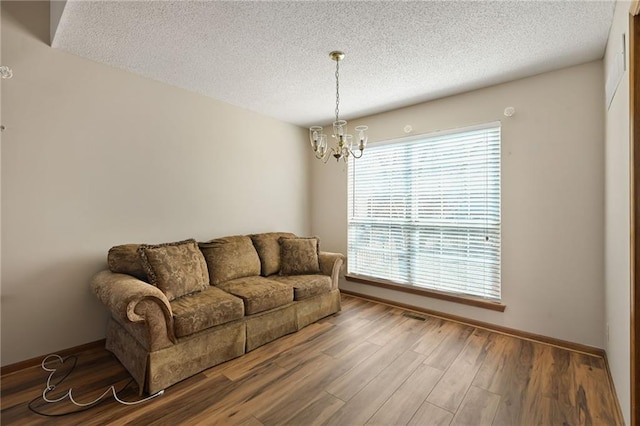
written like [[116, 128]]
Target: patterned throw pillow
[[299, 256], [268, 247], [177, 269], [124, 259]]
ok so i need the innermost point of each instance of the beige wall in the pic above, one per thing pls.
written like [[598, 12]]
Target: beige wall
[[552, 199], [94, 156], [617, 225]]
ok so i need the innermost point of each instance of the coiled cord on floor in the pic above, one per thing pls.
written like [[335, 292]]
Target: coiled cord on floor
[[83, 405]]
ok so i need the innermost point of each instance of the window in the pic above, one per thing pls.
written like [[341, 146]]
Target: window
[[425, 211]]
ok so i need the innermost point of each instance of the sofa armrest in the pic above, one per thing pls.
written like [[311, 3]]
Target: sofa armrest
[[330, 264], [140, 307]]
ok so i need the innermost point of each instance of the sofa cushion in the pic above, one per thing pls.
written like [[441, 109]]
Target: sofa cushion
[[306, 285], [124, 259], [268, 249], [299, 256], [259, 293], [205, 309], [175, 268], [230, 258]]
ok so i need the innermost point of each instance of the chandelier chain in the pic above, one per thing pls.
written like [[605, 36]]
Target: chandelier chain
[[337, 89]]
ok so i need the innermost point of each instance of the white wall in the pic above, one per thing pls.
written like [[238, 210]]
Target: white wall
[[552, 199], [617, 221], [93, 156]]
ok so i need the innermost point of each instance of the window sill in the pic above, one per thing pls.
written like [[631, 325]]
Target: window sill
[[465, 300]]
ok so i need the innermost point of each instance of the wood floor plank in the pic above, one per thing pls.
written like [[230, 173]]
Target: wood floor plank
[[261, 406], [342, 333], [435, 331], [353, 381], [532, 407], [352, 324], [478, 408], [452, 387], [558, 387], [270, 393], [553, 412], [361, 312], [500, 358], [376, 311], [271, 351], [250, 421], [176, 405], [398, 325], [387, 320], [300, 394], [454, 338], [405, 402], [558, 383], [512, 384], [317, 411], [593, 396], [362, 406], [429, 414], [243, 390]]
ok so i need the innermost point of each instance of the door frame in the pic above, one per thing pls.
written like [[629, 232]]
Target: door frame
[[634, 133]]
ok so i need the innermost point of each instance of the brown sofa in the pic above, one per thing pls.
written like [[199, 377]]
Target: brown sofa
[[211, 302]]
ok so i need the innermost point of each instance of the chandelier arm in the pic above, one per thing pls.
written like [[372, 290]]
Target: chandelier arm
[[326, 156], [356, 156]]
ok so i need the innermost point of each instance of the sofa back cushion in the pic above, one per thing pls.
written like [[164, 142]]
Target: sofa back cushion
[[124, 259], [268, 249], [177, 269], [299, 256], [229, 258]]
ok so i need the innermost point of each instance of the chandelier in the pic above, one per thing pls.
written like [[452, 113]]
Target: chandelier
[[344, 141]]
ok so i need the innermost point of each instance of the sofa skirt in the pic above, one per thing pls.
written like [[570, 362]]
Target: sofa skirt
[[128, 350], [312, 309], [160, 369], [194, 354], [267, 326]]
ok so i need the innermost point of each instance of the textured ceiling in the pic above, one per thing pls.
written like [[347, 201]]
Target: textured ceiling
[[272, 57]]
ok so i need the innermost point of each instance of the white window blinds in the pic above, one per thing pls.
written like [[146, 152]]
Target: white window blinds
[[425, 212]]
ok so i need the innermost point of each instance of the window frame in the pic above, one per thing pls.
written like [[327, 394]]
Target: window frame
[[465, 298]]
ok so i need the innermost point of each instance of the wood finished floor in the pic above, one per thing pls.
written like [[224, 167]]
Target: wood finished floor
[[369, 364]]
